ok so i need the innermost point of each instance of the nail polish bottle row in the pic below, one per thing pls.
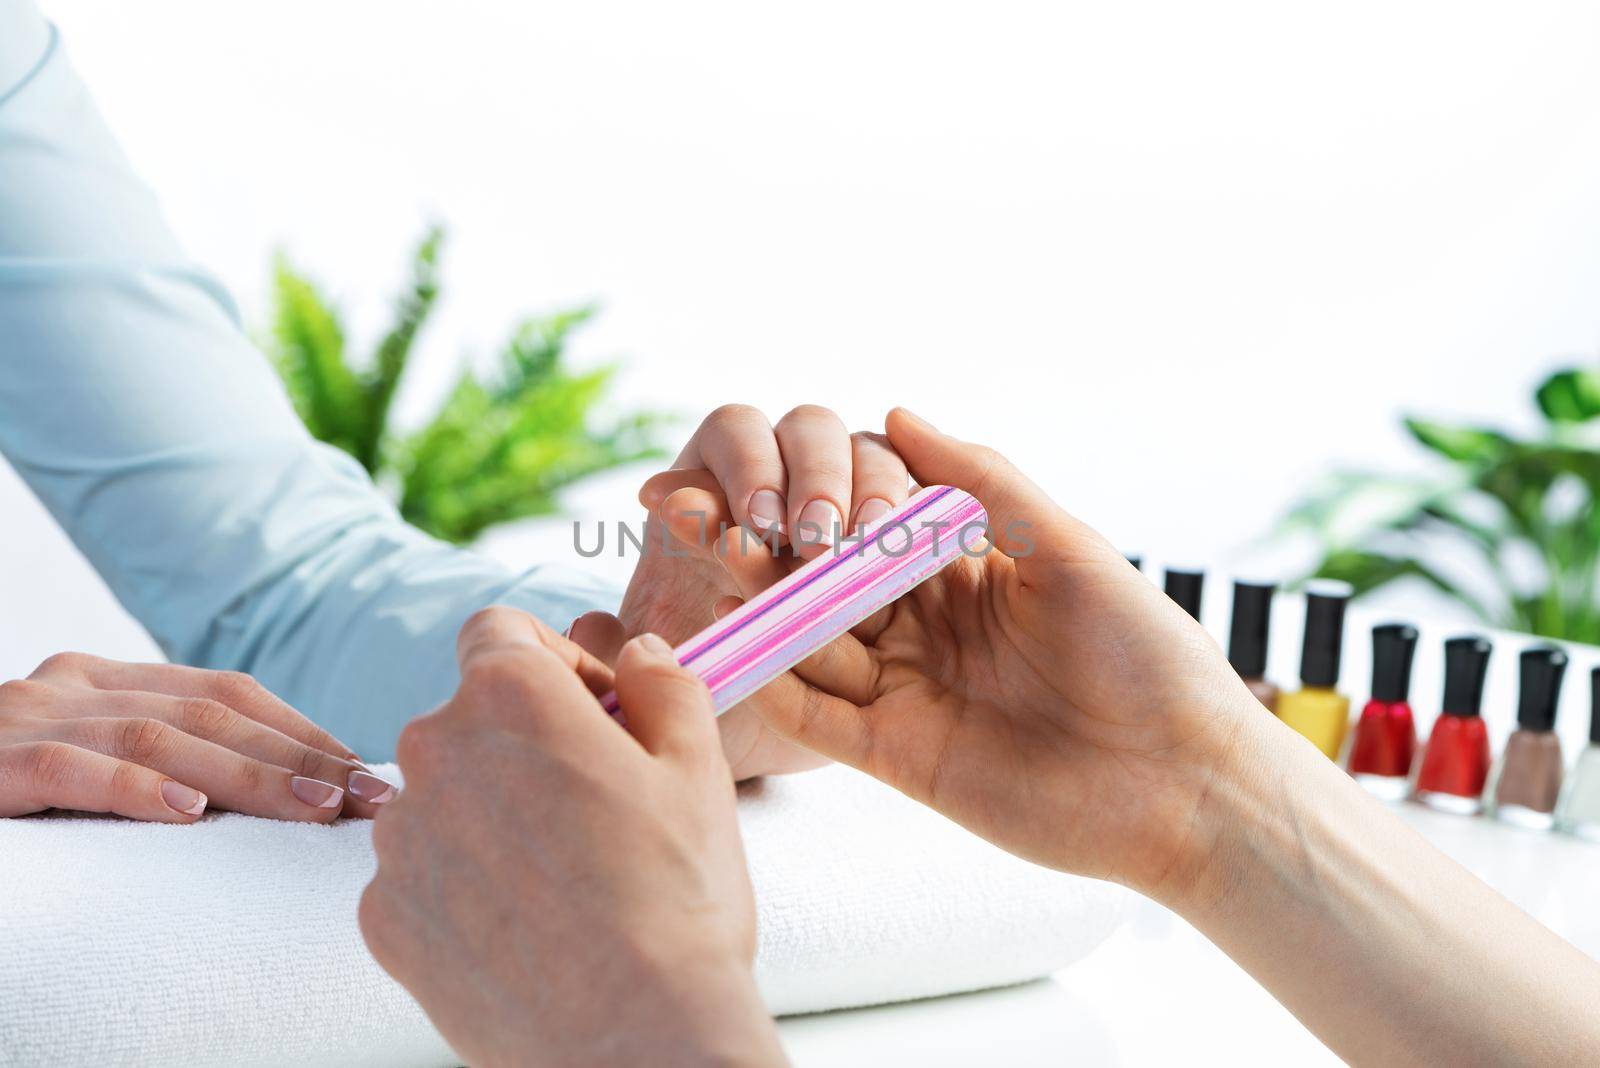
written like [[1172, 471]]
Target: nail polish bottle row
[[1578, 808], [1456, 773]]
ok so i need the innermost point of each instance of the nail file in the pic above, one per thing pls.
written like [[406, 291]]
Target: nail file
[[791, 619]]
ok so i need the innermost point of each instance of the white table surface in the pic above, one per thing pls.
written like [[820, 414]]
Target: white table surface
[[1159, 993]]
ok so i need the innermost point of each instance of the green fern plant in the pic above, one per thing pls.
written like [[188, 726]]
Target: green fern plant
[[1494, 499], [501, 447]]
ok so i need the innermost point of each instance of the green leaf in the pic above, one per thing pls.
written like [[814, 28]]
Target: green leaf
[[1367, 570], [411, 311], [308, 341], [1571, 396], [1460, 444]]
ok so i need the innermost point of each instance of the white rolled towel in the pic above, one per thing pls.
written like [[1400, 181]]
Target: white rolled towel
[[234, 940]]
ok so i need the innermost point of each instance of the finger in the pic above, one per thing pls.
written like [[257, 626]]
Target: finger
[[659, 487], [229, 779], [667, 706], [499, 628], [816, 458], [697, 517], [217, 723], [879, 480], [736, 444], [599, 633], [1023, 520], [825, 724], [232, 688], [52, 774]]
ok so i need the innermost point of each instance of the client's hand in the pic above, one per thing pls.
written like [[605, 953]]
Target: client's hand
[[554, 891], [798, 484], [162, 742], [1045, 695]]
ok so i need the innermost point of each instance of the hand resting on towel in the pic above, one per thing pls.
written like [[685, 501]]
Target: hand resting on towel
[[163, 742]]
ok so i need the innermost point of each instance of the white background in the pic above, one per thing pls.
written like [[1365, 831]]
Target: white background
[[1174, 259]]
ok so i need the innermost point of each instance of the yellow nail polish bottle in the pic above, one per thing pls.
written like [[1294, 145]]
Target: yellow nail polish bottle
[[1318, 710]]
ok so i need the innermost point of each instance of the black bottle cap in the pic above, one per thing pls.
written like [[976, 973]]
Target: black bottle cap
[[1392, 647], [1594, 706], [1184, 587], [1247, 639], [1466, 661], [1324, 639], [1542, 669]]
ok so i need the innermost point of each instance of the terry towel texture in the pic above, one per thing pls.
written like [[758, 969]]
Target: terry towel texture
[[234, 941]]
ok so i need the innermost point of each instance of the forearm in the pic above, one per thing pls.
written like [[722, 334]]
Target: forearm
[[135, 407], [1383, 947]]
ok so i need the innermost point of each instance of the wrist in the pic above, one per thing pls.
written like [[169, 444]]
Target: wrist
[[718, 1018], [1241, 796]]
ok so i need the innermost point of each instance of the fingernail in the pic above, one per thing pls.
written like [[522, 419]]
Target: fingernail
[[568, 632], [819, 523], [182, 799], [872, 510], [917, 419], [766, 510], [654, 644], [315, 792], [369, 788]]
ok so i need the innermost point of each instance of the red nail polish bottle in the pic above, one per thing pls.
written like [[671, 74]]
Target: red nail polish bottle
[[1456, 761], [1386, 734]]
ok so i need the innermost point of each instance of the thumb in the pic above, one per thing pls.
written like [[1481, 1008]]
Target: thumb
[[1021, 515], [667, 707]]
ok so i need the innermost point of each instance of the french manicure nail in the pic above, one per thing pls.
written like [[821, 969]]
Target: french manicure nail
[[315, 792], [369, 788], [871, 510], [819, 523], [766, 510], [182, 799], [654, 644]]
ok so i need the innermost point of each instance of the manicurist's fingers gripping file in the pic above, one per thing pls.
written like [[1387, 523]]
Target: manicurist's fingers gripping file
[[790, 620]]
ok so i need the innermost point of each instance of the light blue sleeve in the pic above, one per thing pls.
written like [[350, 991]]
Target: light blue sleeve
[[161, 440]]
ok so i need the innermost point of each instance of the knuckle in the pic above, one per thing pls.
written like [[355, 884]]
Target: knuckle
[[18, 694], [204, 717], [316, 765], [124, 780], [141, 740], [46, 765], [63, 664], [235, 687], [736, 416], [415, 747], [499, 678], [813, 413]]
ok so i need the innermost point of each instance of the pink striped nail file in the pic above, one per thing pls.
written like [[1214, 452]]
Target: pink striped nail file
[[790, 620]]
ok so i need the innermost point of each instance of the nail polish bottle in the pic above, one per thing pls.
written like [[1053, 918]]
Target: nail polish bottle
[[1247, 638], [1318, 710], [1386, 733], [1524, 786], [1456, 760], [1579, 810], [1184, 588]]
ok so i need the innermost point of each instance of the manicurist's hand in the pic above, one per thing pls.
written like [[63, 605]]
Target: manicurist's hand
[[556, 889], [798, 483], [1045, 694], [1049, 698], [163, 742]]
